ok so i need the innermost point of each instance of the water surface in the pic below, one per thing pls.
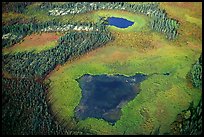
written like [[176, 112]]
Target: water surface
[[104, 95], [119, 22]]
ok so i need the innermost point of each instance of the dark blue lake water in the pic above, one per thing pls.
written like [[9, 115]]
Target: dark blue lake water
[[104, 95], [119, 22]]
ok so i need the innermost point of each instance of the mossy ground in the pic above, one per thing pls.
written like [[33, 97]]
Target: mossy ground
[[161, 97], [136, 50], [140, 21]]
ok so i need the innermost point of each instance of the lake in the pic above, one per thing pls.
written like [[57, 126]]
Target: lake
[[119, 22], [104, 95]]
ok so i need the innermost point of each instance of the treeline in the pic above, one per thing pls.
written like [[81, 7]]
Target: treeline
[[13, 34], [167, 26], [73, 44], [25, 110], [24, 106], [83, 7], [196, 73], [189, 122], [160, 22]]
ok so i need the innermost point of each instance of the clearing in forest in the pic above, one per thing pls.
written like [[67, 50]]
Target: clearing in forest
[[162, 97], [37, 42]]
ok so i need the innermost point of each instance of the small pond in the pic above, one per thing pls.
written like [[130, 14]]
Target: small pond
[[119, 22], [104, 95]]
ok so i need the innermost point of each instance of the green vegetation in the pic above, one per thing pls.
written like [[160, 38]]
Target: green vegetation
[[160, 22], [155, 92], [189, 122], [194, 20], [88, 47], [29, 64], [167, 26], [140, 21], [24, 102], [196, 73]]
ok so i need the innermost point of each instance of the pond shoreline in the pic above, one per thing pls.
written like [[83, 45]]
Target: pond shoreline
[[103, 96]]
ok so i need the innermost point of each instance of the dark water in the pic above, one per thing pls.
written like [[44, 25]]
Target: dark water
[[104, 95], [119, 22]]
